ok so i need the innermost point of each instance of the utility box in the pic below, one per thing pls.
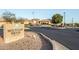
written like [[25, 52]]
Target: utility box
[[13, 31]]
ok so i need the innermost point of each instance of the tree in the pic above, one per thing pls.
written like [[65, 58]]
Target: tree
[[8, 16], [57, 18], [77, 24]]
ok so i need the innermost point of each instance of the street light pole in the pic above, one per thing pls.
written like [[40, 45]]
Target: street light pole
[[64, 18], [72, 23], [33, 14]]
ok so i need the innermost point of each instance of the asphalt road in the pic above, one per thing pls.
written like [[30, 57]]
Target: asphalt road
[[67, 37]]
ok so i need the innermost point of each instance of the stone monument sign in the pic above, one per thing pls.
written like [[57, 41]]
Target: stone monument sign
[[13, 31]]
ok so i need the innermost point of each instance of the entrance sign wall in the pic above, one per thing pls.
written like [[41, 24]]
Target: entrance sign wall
[[13, 31]]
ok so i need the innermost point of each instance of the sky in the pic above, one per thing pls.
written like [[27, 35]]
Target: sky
[[45, 13]]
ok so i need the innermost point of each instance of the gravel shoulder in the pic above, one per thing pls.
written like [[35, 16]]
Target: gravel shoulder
[[31, 41]]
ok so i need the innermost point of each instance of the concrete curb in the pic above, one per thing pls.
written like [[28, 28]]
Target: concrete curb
[[47, 39], [56, 45]]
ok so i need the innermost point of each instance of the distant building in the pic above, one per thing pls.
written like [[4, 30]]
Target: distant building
[[31, 21], [45, 22]]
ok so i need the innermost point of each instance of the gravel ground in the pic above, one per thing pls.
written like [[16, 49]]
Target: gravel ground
[[31, 41]]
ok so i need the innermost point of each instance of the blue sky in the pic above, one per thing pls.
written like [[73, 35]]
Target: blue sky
[[45, 13]]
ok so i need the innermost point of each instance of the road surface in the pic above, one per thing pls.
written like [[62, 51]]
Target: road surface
[[67, 37]]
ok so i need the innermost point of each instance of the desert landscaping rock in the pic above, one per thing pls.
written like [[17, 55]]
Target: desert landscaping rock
[[31, 41]]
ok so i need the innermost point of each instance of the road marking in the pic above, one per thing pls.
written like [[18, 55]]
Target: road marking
[[56, 45]]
